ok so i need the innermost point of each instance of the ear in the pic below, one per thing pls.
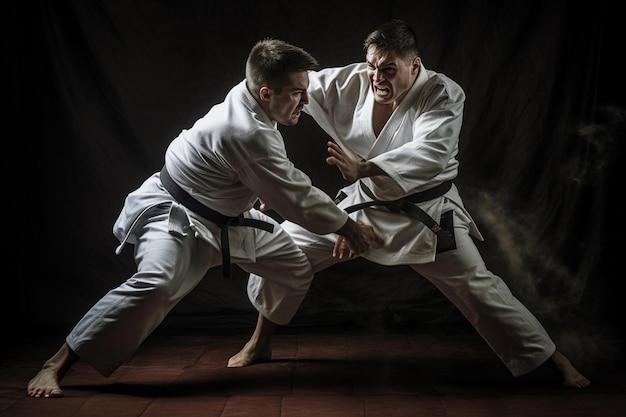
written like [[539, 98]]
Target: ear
[[264, 93], [415, 66]]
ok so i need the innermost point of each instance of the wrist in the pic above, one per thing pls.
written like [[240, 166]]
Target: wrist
[[347, 230], [368, 169]]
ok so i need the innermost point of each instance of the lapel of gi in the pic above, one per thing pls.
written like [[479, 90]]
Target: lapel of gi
[[386, 134]]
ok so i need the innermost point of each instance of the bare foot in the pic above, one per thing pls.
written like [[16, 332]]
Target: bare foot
[[571, 377], [45, 384], [249, 355]]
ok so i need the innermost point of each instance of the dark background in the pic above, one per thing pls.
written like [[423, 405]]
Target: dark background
[[98, 89]]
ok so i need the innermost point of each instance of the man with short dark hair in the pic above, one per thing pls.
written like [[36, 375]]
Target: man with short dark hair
[[395, 127], [197, 213]]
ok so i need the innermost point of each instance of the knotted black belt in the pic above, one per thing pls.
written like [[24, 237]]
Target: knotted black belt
[[216, 217], [407, 206]]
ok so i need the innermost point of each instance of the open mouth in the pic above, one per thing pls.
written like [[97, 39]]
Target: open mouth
[[382, 91]]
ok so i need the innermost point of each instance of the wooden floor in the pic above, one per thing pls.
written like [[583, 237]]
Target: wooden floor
[[330, 371]]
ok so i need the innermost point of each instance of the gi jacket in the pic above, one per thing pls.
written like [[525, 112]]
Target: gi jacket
[[227, 160], [417, 148]]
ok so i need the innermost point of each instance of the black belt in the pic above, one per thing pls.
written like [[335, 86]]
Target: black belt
[[407, 205], [216, 217]]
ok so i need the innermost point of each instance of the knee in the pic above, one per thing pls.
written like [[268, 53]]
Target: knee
[[302, 282], [292, 281], [154, 285]]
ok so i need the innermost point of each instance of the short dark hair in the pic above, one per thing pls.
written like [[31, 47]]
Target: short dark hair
[[395, 35], [270, 62]]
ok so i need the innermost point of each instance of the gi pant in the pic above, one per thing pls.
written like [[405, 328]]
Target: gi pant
[[509, 328], [169, 266]]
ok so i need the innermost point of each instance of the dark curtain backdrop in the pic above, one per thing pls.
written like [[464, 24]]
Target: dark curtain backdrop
[[99, 88]]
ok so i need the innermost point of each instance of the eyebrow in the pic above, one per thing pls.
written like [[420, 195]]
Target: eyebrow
[[295, 89], [385, 64]]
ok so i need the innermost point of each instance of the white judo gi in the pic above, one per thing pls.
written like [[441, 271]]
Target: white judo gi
[[417, 148], [231, 157]]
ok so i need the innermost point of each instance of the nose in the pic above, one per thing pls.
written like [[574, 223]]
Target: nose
[[378, 75], [304, 97]]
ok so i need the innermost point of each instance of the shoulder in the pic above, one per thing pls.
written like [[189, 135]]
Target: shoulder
[[440, 84], [338, 76], [237, 128]]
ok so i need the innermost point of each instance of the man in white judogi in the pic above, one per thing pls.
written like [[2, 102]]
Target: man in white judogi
[[198, 213], [396, 126]]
